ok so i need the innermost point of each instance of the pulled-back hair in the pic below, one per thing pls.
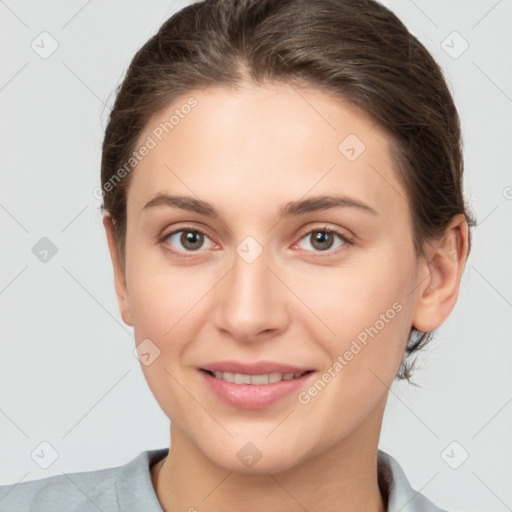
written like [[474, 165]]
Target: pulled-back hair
[[356, 50]]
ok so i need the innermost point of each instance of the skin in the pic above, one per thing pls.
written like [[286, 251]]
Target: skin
[[248, 153]]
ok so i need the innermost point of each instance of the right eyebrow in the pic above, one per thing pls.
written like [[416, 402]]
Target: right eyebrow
[[183, 202]]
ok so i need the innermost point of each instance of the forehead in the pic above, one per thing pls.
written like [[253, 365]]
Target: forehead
[[270, 143]]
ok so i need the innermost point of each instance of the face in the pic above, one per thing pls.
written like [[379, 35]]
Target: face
[[269, 243]]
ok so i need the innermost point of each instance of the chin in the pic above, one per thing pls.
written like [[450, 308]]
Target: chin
[[254, 458]]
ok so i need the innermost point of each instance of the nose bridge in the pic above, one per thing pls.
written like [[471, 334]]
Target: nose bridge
[[251, 302]]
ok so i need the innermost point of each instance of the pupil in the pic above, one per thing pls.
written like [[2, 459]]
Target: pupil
[[322, 240], [191, 239]]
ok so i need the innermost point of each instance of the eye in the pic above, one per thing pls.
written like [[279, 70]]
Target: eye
[[185, 240], [323, 240]]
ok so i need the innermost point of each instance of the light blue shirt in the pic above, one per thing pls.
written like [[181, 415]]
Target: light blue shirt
[[129, 488]]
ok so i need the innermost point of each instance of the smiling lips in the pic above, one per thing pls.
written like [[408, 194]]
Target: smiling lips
[[253, 386]]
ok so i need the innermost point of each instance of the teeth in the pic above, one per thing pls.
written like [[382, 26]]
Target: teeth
[[229, 377], [274, 377], [268, 378], [240, 378], [259, 379]]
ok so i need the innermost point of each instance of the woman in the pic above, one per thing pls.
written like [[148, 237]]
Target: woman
[[282, 185]]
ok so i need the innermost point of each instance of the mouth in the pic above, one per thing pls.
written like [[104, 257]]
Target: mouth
[[256, 380], [253, 386]]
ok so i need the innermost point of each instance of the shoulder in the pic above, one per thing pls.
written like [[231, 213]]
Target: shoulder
[[103, 489], [401, 496], [74, 491]]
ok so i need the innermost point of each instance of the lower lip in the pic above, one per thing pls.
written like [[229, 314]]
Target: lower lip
[[253, 396]]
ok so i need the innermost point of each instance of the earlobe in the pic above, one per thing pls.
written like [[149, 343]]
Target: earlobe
[[439, 284], [119, 271]]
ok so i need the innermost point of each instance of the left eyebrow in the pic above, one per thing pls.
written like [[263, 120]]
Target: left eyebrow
[[319, 203]]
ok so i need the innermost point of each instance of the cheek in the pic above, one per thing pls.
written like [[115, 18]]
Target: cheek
[[162, 305], [167, 304], [368, 310], [160, 295]]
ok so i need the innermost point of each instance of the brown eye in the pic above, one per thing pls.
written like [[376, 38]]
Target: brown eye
[[191, 240], [323, 240], [187, 240]]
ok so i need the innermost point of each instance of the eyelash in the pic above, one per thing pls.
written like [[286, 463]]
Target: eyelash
[[344, 238]]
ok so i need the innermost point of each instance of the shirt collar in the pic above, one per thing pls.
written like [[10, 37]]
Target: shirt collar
[[134, 487], [401, 496]]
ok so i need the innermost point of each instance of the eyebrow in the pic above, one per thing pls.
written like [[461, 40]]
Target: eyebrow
[[293, 208]]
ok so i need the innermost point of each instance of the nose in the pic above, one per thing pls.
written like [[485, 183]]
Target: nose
[[251, 303]]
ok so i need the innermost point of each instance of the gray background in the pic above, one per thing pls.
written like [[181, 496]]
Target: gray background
[[68, 374]]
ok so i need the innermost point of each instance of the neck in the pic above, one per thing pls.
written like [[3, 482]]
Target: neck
[[344, 479]]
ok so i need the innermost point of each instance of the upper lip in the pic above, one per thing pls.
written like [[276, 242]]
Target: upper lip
[[260, 368]]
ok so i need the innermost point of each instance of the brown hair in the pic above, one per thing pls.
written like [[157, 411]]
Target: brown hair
[[356, 50]]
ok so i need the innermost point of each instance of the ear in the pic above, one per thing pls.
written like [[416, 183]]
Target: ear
[[437, 293], [119, 271]]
